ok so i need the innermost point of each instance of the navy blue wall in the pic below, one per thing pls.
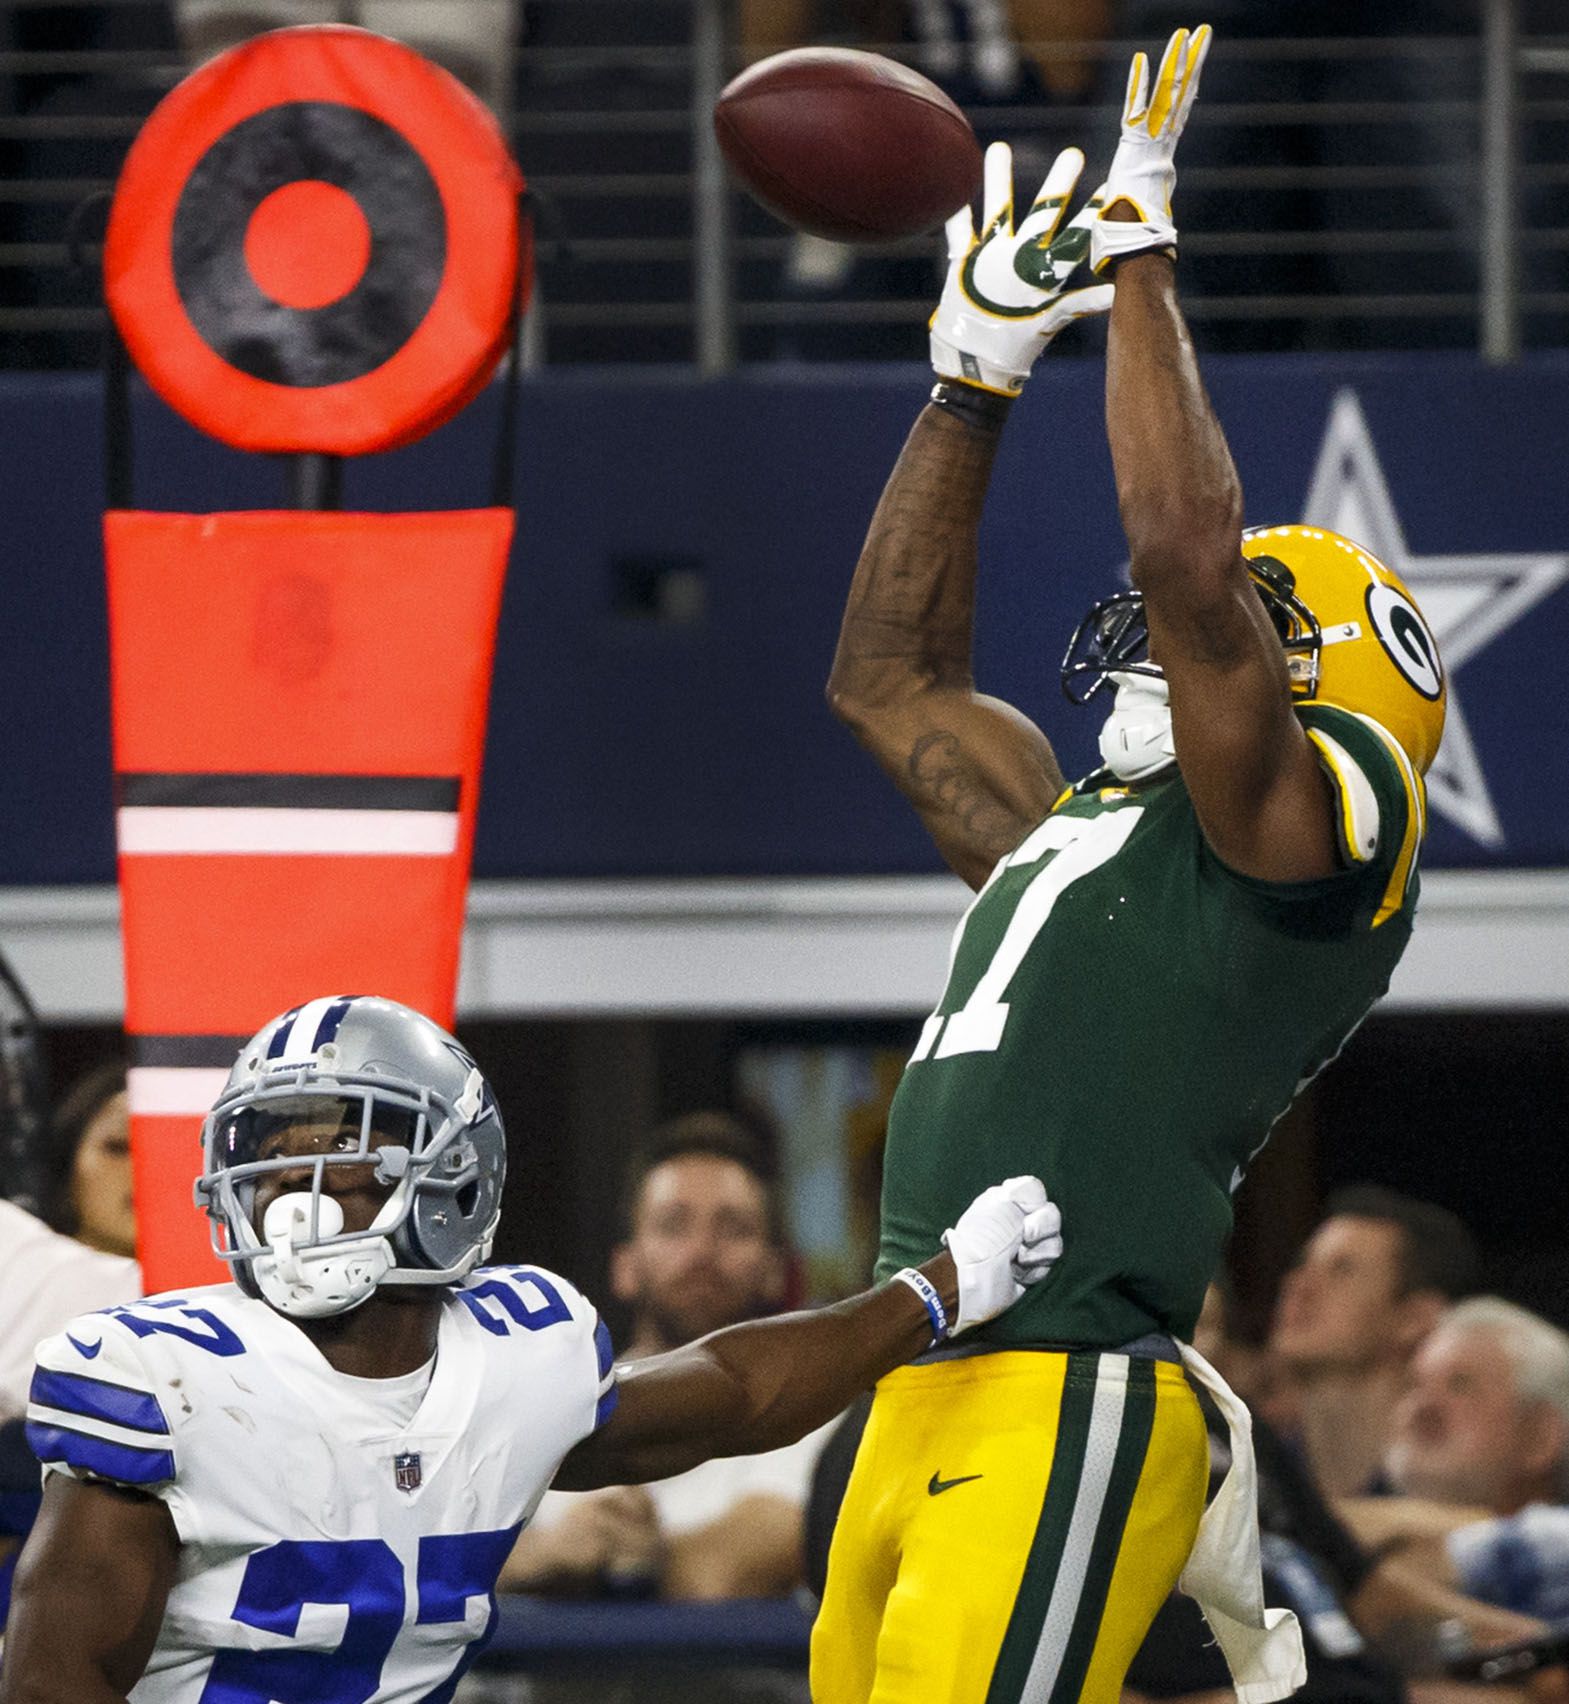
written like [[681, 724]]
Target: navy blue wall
[[627, 746]]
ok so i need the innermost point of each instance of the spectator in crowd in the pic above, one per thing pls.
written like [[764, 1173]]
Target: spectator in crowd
[[79, 1252], [89, 1186], [476, 40], [1281, 177], [1395, 159], [1479, 1460], [76, 1256], [703, 1248], [1370, 1285], [1365, 1613], [988, 42]]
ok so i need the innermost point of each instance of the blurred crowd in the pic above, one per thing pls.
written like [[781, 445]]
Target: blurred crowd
[[1412, 1432], [1413, 1447]]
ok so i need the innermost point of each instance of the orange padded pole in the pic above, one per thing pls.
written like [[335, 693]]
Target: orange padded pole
[[299, 711]]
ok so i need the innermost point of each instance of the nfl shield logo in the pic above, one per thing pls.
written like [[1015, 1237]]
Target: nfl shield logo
[[406, 1471]]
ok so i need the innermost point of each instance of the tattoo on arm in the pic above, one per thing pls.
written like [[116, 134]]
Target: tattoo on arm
[[912, 599], [980, 773], [940, 771]]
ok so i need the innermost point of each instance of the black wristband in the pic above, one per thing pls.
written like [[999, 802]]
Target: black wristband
[[986, 410]]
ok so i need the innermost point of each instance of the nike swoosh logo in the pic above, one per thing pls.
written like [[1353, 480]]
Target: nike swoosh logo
[[84, 1349], [936, 1486]]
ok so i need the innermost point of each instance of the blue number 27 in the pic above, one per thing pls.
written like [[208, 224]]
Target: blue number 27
[[364, 1575]]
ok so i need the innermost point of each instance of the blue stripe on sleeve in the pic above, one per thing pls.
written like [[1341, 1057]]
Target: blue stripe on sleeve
[[97, 1399], [607, 1406], [607, 1355], [96, 1455]]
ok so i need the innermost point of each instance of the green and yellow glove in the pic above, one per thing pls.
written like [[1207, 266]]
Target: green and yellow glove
[[1005, 297], [1144, 169]]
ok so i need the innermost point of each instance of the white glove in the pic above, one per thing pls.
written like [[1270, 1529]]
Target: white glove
[[1008, 1238], [1003, 300], [1144, 169]]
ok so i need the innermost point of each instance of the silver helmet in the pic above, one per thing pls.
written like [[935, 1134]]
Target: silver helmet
[[381, 1084]]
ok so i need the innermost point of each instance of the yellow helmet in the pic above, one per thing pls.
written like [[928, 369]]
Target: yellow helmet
[[1353, 634]]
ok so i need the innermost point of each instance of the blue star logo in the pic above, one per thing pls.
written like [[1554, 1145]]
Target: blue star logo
[[1468, 600]]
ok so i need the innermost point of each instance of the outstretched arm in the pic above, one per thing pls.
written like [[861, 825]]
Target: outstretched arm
[[752, 1387], [1255, 783], [761, 1386], [980, 773], [1250, 770]]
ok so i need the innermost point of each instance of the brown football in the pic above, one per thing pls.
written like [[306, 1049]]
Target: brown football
[[847, 145]]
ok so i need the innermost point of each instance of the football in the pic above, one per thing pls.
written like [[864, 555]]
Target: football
[[847, 145]]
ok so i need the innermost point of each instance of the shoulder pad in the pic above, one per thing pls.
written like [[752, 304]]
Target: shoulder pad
[[94, 1409], [506, 1298], [512, 1300], [1381, 817]]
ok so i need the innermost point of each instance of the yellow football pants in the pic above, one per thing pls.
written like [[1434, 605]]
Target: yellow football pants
[[1012, 1524]]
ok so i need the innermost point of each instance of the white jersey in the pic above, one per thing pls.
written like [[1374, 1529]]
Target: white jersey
[[46, 1279], [331, 1547]]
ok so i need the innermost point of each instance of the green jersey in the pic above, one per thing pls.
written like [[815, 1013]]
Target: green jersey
[[1126, 1017]]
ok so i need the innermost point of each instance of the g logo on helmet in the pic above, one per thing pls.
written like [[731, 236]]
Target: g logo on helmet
[[1406, 640]]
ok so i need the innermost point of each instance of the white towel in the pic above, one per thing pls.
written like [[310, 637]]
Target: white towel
[[1262, 1647]]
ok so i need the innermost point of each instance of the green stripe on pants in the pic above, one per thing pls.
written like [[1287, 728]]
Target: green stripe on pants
[[1138, 1420], [1051, 1531], [1104, 1427]]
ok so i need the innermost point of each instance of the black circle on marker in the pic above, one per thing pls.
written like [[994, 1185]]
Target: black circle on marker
[[356, 152]]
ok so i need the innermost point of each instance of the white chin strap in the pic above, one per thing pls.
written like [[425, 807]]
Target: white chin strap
[[1136, 740], [310, 1283]]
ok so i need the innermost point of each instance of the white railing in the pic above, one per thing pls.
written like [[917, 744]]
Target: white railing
[[664, 260]]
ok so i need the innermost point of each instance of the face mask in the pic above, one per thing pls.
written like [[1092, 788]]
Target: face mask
[[1136, 740], [313, 1282]]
